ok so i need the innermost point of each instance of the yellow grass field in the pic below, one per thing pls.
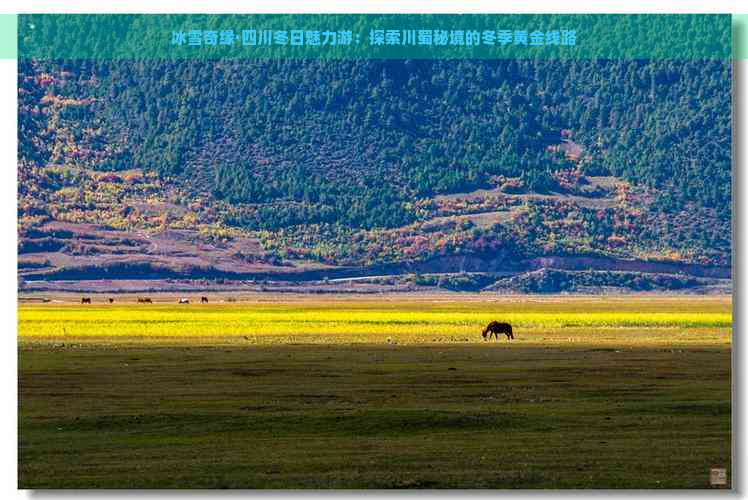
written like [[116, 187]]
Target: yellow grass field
[[621, 320]]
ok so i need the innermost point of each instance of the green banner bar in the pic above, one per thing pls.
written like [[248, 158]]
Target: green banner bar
[[360, 36], [8, 36], [739, 36]]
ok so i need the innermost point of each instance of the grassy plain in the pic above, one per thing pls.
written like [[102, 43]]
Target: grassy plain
[[397, 392]]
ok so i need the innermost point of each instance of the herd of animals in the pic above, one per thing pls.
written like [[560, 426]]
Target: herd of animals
[[147, 300], [494, 328]]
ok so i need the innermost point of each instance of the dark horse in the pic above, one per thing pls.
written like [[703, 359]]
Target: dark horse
[[495, 328], [86, 300], [203, 300]]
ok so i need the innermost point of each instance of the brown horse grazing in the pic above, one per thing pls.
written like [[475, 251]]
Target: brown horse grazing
[[86, 300], [111, 300], [203, 300], [495, 328], [144, 300]]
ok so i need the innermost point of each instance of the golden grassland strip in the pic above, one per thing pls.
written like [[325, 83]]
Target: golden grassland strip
[[636, 321]]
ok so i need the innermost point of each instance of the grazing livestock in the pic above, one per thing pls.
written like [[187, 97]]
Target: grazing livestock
[[144, 300], [184, 301], [111, 300], [86, 300], [495, 328], [203, 300]]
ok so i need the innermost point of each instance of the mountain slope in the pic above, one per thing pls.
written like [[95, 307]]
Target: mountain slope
[[321, 164]]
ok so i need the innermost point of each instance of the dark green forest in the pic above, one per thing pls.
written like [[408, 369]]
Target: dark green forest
[[353, 140]]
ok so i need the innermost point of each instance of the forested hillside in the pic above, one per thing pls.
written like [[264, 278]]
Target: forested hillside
[[375, 162]]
